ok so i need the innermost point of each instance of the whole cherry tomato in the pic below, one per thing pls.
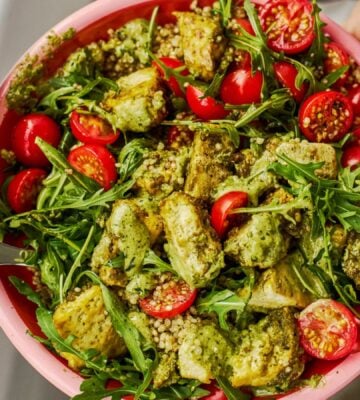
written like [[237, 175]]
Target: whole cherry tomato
[[24, 188], [327, 329], [354, 96], [336, 57], [24, 134], [286, 74], [96, 162], [326, 116], [220, 217], [92, 129], [351, 156], [204, 107], [289, 25], [242, 87], [171, 81], [215, 392], [169, 299]]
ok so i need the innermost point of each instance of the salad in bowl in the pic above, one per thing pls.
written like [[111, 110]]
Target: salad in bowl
[[185, 185]]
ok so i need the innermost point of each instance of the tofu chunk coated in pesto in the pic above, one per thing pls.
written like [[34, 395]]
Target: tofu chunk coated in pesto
[[210, 163], [84, 317], [351, 260], [268, 353], [141, 103], [260, 242], [203, 43], [192, 246]]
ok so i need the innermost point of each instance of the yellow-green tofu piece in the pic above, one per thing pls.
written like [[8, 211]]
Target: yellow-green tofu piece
[[85, 318], [351, 260], [268, 353], [125, 234], [305, 152], [210, 163], [203, 353], [260, 242], [203, 43], [141, 102], [280, 287], [192, 246]]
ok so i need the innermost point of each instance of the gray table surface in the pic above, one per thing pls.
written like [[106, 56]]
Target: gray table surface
[[21, 23]]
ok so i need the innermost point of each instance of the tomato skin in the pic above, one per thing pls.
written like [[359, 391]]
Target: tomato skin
[[205, 108], [281, 20], [24, 134], [286, 74], [351, 157], [172, 298], [24, 188], [327, 329], [172, 82], [336, 57], [92, 129], [128, 397], [96, 162], [354, 96], [241, 87], [220, 218], [316, 117], [246, 25], [215, 392]]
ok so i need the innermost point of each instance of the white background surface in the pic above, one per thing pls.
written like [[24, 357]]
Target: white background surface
[[22, 22]]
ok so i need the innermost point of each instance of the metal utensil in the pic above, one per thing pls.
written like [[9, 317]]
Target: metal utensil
[[10, 255]]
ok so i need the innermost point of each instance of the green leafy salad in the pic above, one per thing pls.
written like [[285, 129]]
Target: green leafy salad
[[189, 195]]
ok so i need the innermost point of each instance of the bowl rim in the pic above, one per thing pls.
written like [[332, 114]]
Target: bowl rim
[[13, 326]]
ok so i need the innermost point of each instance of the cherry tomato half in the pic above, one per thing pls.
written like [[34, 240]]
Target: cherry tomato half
[[24, 134], [354, 96], [325, 116], [351, 157], [336, 57], [92, 129], [204, 107], [242, 87], [220, 217], [169, 299], [215, 392], [327, 329], [286, 74], [288, 25], [24, 188], [96, 162], [245, 24], [172, 82]]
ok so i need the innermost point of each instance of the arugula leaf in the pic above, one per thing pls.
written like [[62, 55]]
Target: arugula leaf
[[316, 53], [229, 391], [151, 258], [225, 8], [26, 290]]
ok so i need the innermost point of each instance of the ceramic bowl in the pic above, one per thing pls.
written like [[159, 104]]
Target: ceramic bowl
[[17, 315]]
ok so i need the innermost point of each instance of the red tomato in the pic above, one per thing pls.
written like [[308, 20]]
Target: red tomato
[[172, 82], [327, 329], [24, 188], [325, 116], [286, 74], [215, 392], [24, 134], [288, 25], [351, 157], [179, 137], [96, 162], [169, 299], [205, 108], [220, 217], [128, 397], [336, 57], [92, 129], [241, 87], [354, 96], [245, 24]]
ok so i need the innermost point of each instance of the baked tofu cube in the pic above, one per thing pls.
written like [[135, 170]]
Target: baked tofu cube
[[85, 318], [203, 352], [260, 242], [351, 260], [141, 102], [305, 152], [193, 249], [210, 163], [203, 43], [268, 352]]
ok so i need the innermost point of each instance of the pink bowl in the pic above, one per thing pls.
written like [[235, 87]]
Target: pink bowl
[[17, 315]]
